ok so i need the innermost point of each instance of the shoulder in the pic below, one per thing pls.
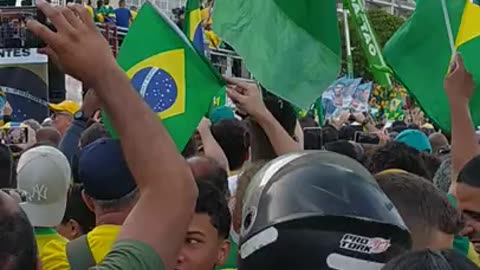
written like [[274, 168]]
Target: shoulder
[[130, 254], [54, 255]]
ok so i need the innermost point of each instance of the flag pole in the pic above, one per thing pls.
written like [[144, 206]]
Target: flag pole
[[449, 26], [348, 44]]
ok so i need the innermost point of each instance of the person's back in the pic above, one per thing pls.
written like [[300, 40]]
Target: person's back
[[110, 192], [123, 15], [44, 174], [432, 220], [430, 260]]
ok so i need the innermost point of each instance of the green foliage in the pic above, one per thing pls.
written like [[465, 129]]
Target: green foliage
[[384, 25]]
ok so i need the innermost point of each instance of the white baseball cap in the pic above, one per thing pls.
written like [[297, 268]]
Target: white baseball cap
[[44, 174]]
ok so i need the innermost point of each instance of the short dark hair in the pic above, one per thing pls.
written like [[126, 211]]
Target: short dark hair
[[432, 163], [470, 174], [329, 134], [422, 206], [7, 168], [342, 147], [78, 210], [347, 133], [396, 155], [190, 148], [206, 169], [92, 133], [231, 136], [283, 112], [430, 260], [211, 201], [49, 134], [18, 250]]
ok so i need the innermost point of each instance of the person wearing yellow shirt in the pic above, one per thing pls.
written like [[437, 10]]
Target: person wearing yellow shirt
[[133, 11], [110, 192], [44, 174]]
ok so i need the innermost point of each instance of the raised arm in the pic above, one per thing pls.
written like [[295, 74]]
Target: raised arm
[[248, 98], [161, 173], [211, 148], [459, 86]]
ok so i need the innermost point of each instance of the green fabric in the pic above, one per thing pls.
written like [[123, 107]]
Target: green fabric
[[45, 231], [291, 47], [161, 61], [369, 41], [129, 254], [231, 262], [106, 10], [419, 54]]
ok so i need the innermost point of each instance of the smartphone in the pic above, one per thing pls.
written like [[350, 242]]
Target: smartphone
[[14, 135], [13, 27], [313, 138], [366, 138]]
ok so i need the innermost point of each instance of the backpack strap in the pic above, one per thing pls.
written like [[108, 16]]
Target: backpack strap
[[79, 254]]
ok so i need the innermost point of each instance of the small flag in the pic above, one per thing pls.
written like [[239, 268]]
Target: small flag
[[422, 66], [291, 47], [193, 24], [171, 76]]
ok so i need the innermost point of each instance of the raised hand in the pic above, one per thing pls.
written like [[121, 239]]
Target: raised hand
[[76, 45]]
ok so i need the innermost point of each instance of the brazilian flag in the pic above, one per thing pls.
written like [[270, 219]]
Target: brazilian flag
[[193, 24], [165, 69], [420, 54], [193, 29]]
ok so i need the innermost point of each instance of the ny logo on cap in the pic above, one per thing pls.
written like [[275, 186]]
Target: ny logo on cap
[[39, 193]]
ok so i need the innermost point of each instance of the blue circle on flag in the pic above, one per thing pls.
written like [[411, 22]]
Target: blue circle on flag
[[157, 87]]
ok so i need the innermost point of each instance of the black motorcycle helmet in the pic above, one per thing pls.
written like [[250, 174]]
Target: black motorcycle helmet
[[318, 210]]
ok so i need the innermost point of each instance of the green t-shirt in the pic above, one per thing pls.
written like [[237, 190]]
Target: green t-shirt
[[130, 254], [231, 262]]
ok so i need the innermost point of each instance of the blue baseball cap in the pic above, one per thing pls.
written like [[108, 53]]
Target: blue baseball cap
[[104, 171], [415, 139]]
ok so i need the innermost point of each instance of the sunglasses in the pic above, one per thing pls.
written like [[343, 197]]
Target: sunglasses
[[56, 114]]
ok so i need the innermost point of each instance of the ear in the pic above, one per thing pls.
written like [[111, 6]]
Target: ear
[[88, 201], [76, 229], [223, 252]]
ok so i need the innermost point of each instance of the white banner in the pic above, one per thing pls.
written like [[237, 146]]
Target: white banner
[[21, 56]]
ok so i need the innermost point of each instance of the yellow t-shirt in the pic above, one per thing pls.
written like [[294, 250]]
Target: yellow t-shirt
[[134, 14], [213, 40], [100, 239], [44, 236]]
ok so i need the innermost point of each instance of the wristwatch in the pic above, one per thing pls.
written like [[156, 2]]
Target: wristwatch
[[80, 116]]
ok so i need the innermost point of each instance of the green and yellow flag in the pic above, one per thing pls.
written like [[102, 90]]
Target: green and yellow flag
[[171, 76], [420, 54], [291, 47], [193, 24]]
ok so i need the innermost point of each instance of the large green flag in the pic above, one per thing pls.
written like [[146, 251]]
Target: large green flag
[[291, 47], [172, 77], [419, 54]]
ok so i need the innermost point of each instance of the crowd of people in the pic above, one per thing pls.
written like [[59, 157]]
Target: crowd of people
[[244, 193]]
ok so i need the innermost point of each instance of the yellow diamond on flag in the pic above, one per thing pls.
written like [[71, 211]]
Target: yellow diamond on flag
[[470, 26], [160, 80]]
